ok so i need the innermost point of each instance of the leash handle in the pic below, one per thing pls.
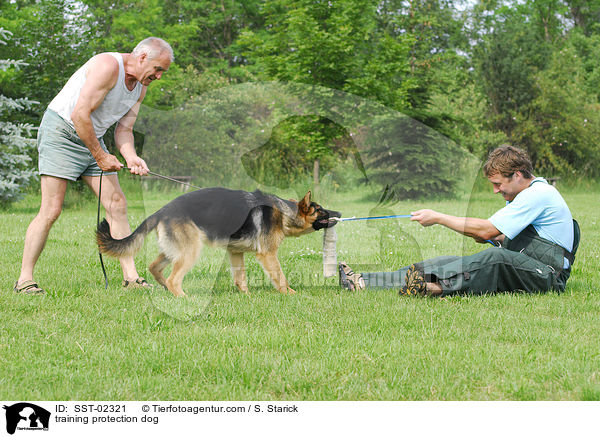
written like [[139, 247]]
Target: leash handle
[[349, 219], [168, 178]]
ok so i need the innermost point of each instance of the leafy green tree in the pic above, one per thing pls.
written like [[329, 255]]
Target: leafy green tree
[[370, 50], [203, 31], [539, 72], [585, 15], [15, 138], [297, 146], [310, 42], [118, 26], [560, 127], [48, 33], [511, 52], [330, 44], [434, 32], [462, 109], [587, 54], [547, 17]]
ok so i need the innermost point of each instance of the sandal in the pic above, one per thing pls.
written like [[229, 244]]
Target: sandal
[[415, 282], [348, 279], [28, 287], [138, 283]]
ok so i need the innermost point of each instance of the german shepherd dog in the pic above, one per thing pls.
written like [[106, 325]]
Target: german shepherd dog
[[238, 220]]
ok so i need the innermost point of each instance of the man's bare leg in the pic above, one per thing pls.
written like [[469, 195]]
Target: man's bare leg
[[115, 204], [53, 195]]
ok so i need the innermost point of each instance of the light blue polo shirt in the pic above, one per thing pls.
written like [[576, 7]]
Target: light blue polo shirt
[[541, 205]]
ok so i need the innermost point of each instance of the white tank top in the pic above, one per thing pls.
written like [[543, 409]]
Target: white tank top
[[116, 104]]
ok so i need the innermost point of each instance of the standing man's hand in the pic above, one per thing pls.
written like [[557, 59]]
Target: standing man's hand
[[425, 217], [137, 166], [108, 162]]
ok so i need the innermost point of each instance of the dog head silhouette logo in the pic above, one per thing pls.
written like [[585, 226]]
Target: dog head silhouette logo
[[26, 416]]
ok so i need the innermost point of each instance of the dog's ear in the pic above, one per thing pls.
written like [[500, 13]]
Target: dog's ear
[[304, 204]]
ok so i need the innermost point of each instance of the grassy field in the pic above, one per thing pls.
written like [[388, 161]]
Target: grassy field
[[83, 342]]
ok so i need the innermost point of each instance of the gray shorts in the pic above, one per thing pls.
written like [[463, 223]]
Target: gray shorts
[[61, 151]]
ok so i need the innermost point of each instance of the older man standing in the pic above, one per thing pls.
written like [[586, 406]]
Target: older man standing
[[109, 88]]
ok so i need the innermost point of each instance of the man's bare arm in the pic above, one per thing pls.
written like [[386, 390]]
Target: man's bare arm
[[479, 229], [124, 138], [101, 76]]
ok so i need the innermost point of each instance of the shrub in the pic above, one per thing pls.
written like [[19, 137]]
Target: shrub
[[15, 138]]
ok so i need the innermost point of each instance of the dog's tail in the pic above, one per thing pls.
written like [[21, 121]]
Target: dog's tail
[[128, 246]]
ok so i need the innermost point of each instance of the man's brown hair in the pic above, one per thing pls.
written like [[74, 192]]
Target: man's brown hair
[[506, 160]]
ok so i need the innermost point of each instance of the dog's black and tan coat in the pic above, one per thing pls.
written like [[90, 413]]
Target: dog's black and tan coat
[[238, 220]]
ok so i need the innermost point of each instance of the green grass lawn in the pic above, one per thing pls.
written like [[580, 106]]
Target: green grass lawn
[[83, 342]]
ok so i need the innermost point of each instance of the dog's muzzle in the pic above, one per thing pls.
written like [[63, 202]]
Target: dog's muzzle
[[324, 220]]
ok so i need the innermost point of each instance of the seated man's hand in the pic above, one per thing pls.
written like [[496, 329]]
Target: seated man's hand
[[495, 241], [425, 217]]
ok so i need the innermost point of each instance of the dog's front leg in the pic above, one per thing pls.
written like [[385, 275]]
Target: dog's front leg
[[238, 272], [272, 268]]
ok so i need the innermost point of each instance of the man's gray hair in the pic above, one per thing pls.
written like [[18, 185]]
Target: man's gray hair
[[153, 47]]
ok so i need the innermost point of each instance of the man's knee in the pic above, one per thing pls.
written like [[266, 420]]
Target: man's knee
[[117, 207], [49, 214]]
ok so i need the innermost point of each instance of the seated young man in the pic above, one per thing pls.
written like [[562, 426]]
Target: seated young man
[[535, 232]]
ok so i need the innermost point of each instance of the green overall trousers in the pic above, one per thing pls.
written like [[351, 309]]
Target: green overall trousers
[[527, 263]]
